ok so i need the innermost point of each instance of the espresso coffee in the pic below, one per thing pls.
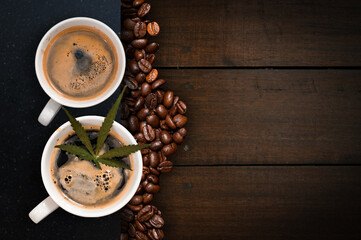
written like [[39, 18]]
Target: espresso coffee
[[80, 63], [81, 182]]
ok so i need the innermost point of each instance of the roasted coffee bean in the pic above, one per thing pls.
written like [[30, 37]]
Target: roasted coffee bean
[[139, 43], [139, 103], [147, 224], [125, 5], [127, 36], [143, 113], [148, 132], [170, 123], [165, 166], [138, 54], [152, 188], [156, 145], [152, 47], [153, 120], [156, 84], [161, 111], [177, 138], [126, 214], [139, 189], [173, 110], [162, 158], [129, 101], [124, 110], [182, 107], [155, 234], [156, 221], [160, 95], [154, 171], [180, 120], [144, 9], [137, 3], [129, 24], [163, 125], [152, 76], [140, 77], [131, 82], [131, 230], [141, 236], [153, 28], [140, 226], [147, 198], [135, 93], [168, 99], [133, 123], [124, 226], [175, 100], [136, 200], [182, 132], [145, 213], [165, 137], [151, 58], [146, 161], [151, 101], [153, 159], [144, 65], [169, 149], [139, 137], [140, 29], [136, 19], [135, 208], [133, 66], [145, 89], [124, 236], [153, 178]]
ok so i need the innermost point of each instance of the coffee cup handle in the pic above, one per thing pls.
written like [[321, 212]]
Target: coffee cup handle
[[43, 209], [49, 112]]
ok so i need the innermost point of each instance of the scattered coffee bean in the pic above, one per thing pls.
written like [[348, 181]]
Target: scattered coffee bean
[[153, 159], [145, 213], [152, 76], [165, 166], [131, 82], [165, 137], [140, 29], [129, 24], [133, 123], [153, 28], [152, 188], [156, 84], [139, 103], [182, 107], [138, 55], [151, 58], [139, 43], [127, 215], [156, 145], [169, 149], [144, 9], [147, 198], [156, 221], [168, 99], [140, 78], [144, 65], [140, 226], [137, 3], [152, 47], [170, 122], [145, 89], [180, 120], [127, 36], [133, 66], [177, 138], [153, 120], [135, 208], [143, 113], [136, 200], [148, 133]]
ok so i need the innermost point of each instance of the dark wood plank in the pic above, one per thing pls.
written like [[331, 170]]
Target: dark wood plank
[[269, 116], [261, 203], [258, 33]]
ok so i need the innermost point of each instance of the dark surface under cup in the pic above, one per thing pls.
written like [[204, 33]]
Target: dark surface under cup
[[23, 138]]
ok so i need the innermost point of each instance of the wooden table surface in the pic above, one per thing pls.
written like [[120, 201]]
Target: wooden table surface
[[274, 96]]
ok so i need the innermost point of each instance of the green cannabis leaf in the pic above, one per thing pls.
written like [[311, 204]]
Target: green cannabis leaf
[[123, 151], [73, 149], [107, 157], [80, 132], [113, 163], [108, 122]]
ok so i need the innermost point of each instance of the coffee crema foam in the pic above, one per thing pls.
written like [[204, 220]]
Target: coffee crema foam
[[80, 63], [84, 185]]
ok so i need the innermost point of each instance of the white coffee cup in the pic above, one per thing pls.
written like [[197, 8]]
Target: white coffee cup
[[56, 199], [56, 100]]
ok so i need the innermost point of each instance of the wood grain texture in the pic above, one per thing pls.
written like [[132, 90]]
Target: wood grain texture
[[258, 33], [269, 116], [261, 202]]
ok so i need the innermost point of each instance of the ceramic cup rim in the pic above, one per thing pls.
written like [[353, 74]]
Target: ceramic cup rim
[[51, 33], [59, 199]]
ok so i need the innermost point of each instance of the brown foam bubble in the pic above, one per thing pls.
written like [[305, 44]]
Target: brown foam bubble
[[85, 76], [91, 203]]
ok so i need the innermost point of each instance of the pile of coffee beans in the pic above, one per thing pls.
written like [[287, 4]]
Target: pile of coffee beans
[[153, 115]]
